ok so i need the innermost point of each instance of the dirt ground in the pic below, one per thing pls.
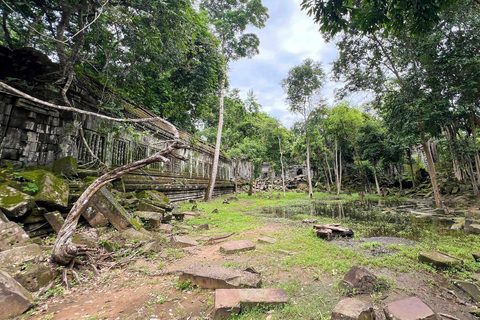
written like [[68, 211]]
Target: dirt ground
[[147, 290]]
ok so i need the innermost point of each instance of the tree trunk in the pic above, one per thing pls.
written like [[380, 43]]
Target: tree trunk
[[235, 172], [450, 136], [338, 168], [329, 170], [475, 149], [326, 178], [64, 250], [376, 179], [309, 176], [250, 188], [431, 171], [472, 175], [213, 177], [281, 163], [410, 162], [399, 177]]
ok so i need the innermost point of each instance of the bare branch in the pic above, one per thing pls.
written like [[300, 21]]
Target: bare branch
[[93, 114]]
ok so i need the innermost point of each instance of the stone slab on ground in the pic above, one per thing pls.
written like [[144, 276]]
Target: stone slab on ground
[[14, 203], [360, 279], [353, 309], [19, 255], [470, 288], [167, 228], [237, 246], [410, 309], [219, 277], [104, 202], [182, 242], [132, 234], [12, 235], [154, 219], [228, 301], [474, 228], [439, 260], [267, 240], [14, 299], [66, 167], [55, 219]]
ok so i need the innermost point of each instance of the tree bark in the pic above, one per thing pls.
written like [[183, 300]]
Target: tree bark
[[309, 176], [250, 188], [450, 136], [410, 160], [216, 156], [329, 170], [235, 169], [376, 179], [64, 250], [281, 163], [431, 171]]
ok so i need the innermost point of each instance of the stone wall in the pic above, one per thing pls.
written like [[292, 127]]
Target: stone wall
[[35, 135]]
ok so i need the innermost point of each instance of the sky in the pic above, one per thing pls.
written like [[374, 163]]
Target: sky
[[289, 37]]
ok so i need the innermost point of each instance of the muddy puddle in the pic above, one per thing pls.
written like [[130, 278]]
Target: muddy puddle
[[374, 218]]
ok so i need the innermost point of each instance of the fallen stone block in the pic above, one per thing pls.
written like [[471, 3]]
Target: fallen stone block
[[309, 220], [183, 242], [439, 260], [132, 234], [55, 219], [167, 228], [152, 219], [267, 240], [219, 277], [12, 235], [84, 240], [3, 217], [151, 247], [66, 167], [94, 217], [470, 288], [36, 276], [14, 203], [360, 280], [14, 299], [229, 301], [237, 246], [353, 309], [19, 255], [52, 191], [474, 228], [409, 309], [329, 231], [104, 203]]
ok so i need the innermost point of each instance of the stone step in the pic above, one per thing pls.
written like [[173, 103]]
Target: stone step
[[219, 277], [439, 260], [237, 246], [410, 309], [229, 301], [352, 309]]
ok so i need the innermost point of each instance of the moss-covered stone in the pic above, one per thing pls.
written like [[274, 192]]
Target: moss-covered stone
[[13, 203], [36, 276], [66, 167], [32, 175], [52, 191]]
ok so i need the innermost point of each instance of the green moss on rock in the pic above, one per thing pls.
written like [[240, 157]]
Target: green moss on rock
[[14, 203], [52, 191], [66, 167]]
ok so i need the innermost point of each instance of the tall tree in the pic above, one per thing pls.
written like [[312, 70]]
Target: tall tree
[[229, 19], [303, 89]]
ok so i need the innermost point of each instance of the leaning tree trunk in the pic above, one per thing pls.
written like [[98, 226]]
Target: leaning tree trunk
[[235, 170], [252, 173], [216, 156], [410, 160], [376, 179], [281, 163], [64, 250], [431, 171], [309, 176]]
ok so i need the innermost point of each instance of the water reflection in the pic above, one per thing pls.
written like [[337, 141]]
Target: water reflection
[[374, 218]]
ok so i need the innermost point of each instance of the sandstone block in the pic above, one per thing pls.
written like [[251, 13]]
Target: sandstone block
[[152, 219], [132, 234], [14, 299], [353, 309], [359, 279], [237, 246], [52, 191], [228, 301], [410, 309], [66, 167], [104, 203], [267, 240], [84, 240], [94, 217], [470, 288], [11, 235], [36, 276], [167, 228], [439, 260], [219, 277], [183, 242], [19, 255], [55, 219], [14, 203], [474, 228]]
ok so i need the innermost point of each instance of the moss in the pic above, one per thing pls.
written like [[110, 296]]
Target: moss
[[135, 223], [32, 175]]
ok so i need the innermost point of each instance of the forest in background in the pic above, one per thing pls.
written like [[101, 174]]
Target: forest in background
[[420, 63]]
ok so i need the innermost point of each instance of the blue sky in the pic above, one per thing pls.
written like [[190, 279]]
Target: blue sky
[[289, 37]]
